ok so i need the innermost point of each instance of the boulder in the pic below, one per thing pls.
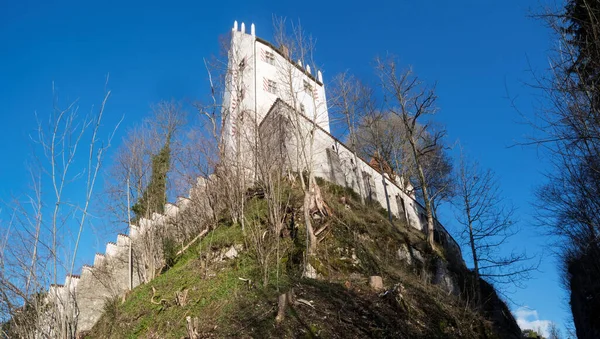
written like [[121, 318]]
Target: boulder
[[376, 282], [310, 272], [231, 253]]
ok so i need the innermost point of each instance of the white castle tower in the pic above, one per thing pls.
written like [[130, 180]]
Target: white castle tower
[[258, 74], [272, 96]]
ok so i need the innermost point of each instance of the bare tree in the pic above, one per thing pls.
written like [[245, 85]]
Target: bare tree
[[274, 180], [380, 143], [36, 256], [381, 134], [412, 102], [487, 225], [554, 331], [299, 46], [232, 125], [137, 182], [350, 97], [568, 124]]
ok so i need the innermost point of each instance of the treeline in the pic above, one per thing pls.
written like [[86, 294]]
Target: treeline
[[569, 122]]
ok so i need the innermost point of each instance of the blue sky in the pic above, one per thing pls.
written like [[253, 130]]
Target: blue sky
[[478, 52]]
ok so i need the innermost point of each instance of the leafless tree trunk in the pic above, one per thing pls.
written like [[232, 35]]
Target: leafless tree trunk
[[130, 176], [237, 135], [409, 100], [349, 96], [300, 47], [36, 250], [487, 225], [378, 141], [568, 123]]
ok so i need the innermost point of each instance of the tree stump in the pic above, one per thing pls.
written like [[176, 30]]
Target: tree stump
[[284, 300]]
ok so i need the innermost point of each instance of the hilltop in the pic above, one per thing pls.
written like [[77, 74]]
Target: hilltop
[[228, 284]]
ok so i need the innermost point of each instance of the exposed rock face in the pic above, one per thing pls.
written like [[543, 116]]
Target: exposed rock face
[[445, 278], [404, 254], [496, 310], [407, 254]]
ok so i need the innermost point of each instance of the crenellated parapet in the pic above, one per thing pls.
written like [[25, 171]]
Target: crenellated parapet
[[123, 240], [144, 225], [109, 276], [99, 259], [134, 231], [183, 202], [171, 210], [111, 249], [86, 271]]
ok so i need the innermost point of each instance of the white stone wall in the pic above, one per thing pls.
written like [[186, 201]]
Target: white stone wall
[[109, 276], [259, 74], [335, 162]]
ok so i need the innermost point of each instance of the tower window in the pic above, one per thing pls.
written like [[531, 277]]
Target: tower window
[[242, 64], [302, 109], [271, 86], [308, 87], [270, 58]]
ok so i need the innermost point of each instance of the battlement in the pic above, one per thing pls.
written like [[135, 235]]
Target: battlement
[[122, 240], [281, 51], [144, 225], [111, 249], [86, 270], [171, 210], [133, 231], [182, 202], [99, 259]]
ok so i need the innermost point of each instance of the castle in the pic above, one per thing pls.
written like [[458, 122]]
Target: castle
[[277, 100], [278, 97]]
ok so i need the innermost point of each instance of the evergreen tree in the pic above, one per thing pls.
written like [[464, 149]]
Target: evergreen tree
[[154, 197], [582, 30]]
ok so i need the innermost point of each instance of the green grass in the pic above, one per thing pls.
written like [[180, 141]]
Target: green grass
[[344, 305], [139, 317]]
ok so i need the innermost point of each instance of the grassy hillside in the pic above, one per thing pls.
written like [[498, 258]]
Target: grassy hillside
[[229, 295]]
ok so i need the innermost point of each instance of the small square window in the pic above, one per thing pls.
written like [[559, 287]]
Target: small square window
[[308, 87], [271, 86], [270, 58]]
